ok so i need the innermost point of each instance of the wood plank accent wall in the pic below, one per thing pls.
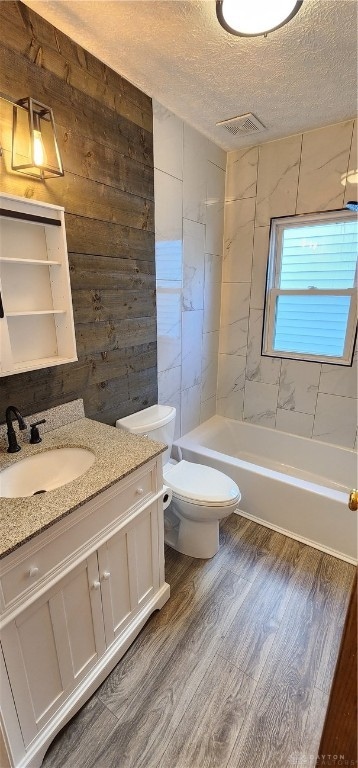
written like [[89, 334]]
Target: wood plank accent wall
[[105, 135]]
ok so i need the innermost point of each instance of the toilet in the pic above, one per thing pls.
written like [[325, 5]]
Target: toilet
[[202, 496]]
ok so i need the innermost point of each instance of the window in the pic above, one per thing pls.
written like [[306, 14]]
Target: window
[[310, 307]]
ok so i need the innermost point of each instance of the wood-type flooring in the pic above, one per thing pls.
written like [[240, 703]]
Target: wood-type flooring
[[233, 672]]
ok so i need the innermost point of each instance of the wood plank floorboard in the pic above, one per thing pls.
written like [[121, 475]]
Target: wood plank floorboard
[[175, 567], [170, 686], [160, 638], [310, 739], [252, 633], [248, 547], [273, 729], [229, 673], [75, 745], [210, 725], [341, 585]]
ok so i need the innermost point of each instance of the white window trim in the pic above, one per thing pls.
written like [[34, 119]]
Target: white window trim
[[272, 290]]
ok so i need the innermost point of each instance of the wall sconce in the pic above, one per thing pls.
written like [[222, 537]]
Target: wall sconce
[[35, 149]]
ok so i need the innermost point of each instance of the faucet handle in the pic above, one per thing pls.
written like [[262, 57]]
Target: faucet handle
[[35, 434]]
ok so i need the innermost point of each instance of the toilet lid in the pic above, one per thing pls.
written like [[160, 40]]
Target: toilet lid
[[200, 484], [148, 419]]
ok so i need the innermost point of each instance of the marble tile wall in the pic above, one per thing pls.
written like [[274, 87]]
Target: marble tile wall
[[299, 174], [189, 181]]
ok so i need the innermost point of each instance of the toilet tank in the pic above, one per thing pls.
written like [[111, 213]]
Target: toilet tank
[[157, 422]]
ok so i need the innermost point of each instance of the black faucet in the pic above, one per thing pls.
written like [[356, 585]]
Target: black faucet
[[13, 444]]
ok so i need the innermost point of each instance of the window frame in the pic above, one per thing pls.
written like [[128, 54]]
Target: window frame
[[272, 291]]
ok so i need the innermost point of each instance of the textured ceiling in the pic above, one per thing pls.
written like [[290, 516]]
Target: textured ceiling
[[301, 76]]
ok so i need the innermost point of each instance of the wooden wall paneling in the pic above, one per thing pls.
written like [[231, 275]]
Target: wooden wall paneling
[[142, 381], [107, 400], [112, 131], [109, 335], [39, 390], [74, 54], [43, 32], [72, 107], [109, 414], [101, 163], [84, 197], [112, 304], [105, 136], [106, 393], [108, 239], [105, 366], [32, 391], [50, 51], [87, 269]]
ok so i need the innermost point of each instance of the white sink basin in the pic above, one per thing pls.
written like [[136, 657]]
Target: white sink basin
[[45, 471]]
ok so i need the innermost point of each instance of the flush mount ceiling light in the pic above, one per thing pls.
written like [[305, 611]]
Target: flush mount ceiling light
[[35, 149], [249, 18]]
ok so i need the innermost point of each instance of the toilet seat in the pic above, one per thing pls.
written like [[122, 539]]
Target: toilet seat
[[201, 485]]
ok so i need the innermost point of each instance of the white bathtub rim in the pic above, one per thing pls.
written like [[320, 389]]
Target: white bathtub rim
[[273, 430], [290, 464], [309, 542], [316, 488]]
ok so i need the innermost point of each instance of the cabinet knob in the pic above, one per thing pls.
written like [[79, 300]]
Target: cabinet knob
[[140, 491], [96, 584], [34, 570], [106, 575]]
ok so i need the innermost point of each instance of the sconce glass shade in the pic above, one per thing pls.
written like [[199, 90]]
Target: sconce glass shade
[[249, 18], [35, 149]]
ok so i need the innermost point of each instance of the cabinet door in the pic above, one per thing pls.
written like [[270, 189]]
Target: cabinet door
[[129, 571], [145, 544], [118, 596], [51, 646]]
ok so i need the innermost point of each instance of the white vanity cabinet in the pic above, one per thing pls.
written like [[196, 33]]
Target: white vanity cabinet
[[73, 600], [52, 645]]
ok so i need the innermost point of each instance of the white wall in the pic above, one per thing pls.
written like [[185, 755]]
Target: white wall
[[298, 174], [189, 182]]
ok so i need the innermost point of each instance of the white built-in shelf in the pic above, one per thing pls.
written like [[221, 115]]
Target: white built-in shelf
[[30, 336], [44, 262], [36, 312], [44, 362], [36, 219]]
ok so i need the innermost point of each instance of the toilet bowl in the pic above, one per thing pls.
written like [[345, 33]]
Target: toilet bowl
[[202, 496]]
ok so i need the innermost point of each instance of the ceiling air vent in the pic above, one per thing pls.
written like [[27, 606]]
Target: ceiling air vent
[[242, 125]]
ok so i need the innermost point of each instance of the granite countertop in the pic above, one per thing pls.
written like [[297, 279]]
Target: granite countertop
[[118, 453]]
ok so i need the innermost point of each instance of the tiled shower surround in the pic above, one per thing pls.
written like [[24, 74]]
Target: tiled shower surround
[[299, 174], [189, 181]]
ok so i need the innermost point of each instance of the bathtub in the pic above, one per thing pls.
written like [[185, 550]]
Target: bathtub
[[292, 484]]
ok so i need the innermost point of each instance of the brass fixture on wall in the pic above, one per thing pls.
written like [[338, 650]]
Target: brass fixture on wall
[[35, 149], [353, 500]]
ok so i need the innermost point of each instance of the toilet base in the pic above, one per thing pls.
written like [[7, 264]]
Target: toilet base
[[199, 540]]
